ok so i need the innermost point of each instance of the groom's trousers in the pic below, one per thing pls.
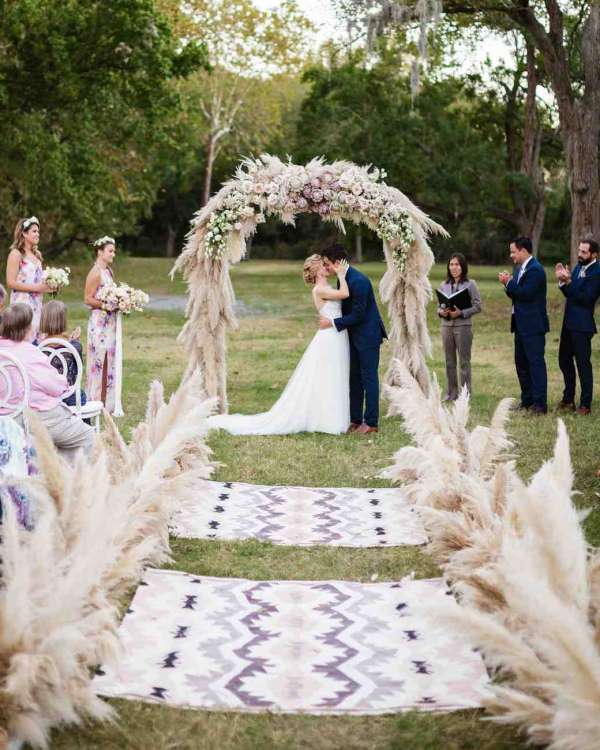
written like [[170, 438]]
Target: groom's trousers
[[364, 385]]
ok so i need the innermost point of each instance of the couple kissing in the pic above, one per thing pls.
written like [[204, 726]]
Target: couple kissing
[[335, 386]]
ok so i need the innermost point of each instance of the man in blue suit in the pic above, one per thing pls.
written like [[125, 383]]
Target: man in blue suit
[[529, 323], [360, 316], [582, 289]]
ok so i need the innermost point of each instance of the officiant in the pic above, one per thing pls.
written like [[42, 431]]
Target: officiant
[[459, 300]]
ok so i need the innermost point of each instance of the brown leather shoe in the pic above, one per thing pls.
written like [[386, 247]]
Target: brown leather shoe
[[583, 411], [365, 429], [353, 428], [566, 406]]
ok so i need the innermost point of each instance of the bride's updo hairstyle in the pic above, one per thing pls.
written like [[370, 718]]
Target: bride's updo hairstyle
[[312, 265]]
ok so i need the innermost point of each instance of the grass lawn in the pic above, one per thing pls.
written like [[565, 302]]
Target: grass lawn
[[262, 354]]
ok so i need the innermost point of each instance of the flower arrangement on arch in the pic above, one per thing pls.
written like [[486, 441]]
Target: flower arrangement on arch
[[337, 192], [122, 298]]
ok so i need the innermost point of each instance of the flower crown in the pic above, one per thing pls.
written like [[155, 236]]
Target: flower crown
[[106, 240], [28, 222]]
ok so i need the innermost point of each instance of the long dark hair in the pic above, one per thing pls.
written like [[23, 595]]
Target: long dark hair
[[464, 267]]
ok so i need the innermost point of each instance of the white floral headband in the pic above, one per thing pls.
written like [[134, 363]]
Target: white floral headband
[[106, 240], [28, 222]]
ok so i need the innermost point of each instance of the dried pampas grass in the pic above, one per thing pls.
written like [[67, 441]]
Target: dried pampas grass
[[99, 523], [517, 559]]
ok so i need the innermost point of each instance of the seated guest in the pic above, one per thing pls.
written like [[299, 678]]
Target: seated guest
[[457, 325], [53, 324], [47, 386], [582, 289]]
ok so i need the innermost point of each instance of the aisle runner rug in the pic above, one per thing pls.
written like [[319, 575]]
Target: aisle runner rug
[[320, 647], [301, 516]]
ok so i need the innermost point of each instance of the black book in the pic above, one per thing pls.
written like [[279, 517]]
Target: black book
[[460, 300]]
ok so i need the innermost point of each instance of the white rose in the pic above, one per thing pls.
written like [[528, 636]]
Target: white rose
[[357, 188]]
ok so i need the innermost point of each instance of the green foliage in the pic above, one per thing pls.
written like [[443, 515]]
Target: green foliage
[[87, 97]]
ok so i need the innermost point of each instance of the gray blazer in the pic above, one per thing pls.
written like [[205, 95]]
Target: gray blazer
[[465, 317]]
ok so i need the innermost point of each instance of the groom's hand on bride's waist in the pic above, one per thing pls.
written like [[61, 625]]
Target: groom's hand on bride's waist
[[324, 322]]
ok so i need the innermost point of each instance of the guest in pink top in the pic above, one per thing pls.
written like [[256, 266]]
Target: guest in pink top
[[47, 385], [24, 272]]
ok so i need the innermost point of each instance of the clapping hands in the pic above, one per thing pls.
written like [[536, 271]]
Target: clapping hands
[[562, 273]]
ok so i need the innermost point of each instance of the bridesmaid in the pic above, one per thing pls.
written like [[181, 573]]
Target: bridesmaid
[[102, 327], [24, 271]]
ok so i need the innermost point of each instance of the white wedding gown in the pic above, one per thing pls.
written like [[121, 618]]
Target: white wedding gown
[[316, 398]]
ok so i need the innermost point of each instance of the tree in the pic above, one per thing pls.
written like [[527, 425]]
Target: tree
[[568, 42], [247, 46], [86, 95]]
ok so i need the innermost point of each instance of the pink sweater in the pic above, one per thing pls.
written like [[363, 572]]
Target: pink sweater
[[46, 385]]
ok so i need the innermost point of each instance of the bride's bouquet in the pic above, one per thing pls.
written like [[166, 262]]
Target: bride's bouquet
[[122, 298], [56, 278]]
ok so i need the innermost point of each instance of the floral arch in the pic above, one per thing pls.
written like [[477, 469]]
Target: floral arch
[[337, 192]]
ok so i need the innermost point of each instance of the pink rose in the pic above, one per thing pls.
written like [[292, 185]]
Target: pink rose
[[315, 182], [307, 192], [302, 204], [323, 208], [317, 195]]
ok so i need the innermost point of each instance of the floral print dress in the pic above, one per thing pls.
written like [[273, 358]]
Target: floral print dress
[[101, 347], [30, 272]]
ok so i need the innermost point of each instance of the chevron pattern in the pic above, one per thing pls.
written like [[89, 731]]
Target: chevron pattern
[[321, 647], [301, 516]]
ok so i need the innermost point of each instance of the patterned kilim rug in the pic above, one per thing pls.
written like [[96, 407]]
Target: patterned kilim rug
[[320, 647], [301, 516]]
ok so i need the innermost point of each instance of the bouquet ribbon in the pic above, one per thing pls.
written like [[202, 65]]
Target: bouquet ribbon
[[118, 407]]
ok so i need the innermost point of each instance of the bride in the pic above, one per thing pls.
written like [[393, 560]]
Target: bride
[[316, 398]]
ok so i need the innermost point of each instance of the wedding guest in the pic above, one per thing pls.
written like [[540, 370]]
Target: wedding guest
[[582, 290], [457, 325], [53, 324], [24, 271], [529, 323], [47, 386], [102, 327]]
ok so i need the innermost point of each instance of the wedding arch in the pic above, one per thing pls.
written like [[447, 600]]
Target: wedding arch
[[338, 192]]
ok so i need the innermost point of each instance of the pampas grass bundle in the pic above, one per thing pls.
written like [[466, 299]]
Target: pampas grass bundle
[[517, 559], [99, 523]]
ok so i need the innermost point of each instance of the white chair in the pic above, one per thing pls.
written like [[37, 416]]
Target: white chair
[[56, 349], [8, 386]]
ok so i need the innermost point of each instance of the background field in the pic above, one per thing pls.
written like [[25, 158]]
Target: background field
[[278, 322]]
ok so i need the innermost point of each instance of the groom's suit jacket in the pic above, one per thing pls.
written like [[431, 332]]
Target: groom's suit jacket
[[360, 314]]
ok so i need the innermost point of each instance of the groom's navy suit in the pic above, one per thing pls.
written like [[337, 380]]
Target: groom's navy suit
[[366, 332], [529, 323]]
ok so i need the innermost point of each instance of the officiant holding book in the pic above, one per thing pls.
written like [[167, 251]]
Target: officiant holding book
[[459, 300]]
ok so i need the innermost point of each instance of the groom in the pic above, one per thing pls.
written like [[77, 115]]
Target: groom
[[366, 333]]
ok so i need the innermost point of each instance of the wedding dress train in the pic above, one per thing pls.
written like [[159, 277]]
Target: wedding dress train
[[316, 397]]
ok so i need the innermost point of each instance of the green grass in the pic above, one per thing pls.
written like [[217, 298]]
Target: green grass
[[262, 354]]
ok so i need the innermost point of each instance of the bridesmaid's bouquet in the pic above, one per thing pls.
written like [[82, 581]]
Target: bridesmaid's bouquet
[[122, 298], [56, 278]]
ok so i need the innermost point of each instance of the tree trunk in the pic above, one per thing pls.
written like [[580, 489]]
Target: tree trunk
[[171, 237], [582, 163], [210, 161], [358, 249]]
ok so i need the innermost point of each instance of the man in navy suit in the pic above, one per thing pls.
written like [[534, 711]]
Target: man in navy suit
[[529, 323], [360, 316], [582, 289]]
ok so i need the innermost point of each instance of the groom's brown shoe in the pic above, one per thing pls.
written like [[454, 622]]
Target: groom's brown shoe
[[353, 428], [365, 429]]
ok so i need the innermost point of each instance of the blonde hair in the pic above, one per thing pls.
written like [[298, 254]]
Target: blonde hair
[[312, 265], [16, 321], [19, 239], [54, 318]]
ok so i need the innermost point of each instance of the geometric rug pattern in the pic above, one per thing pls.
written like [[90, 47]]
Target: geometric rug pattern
[[300, 516], [318, 647]]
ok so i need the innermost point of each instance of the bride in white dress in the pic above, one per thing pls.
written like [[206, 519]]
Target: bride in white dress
[[316, 398]]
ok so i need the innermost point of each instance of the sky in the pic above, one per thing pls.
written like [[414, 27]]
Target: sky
[[322, 14]]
